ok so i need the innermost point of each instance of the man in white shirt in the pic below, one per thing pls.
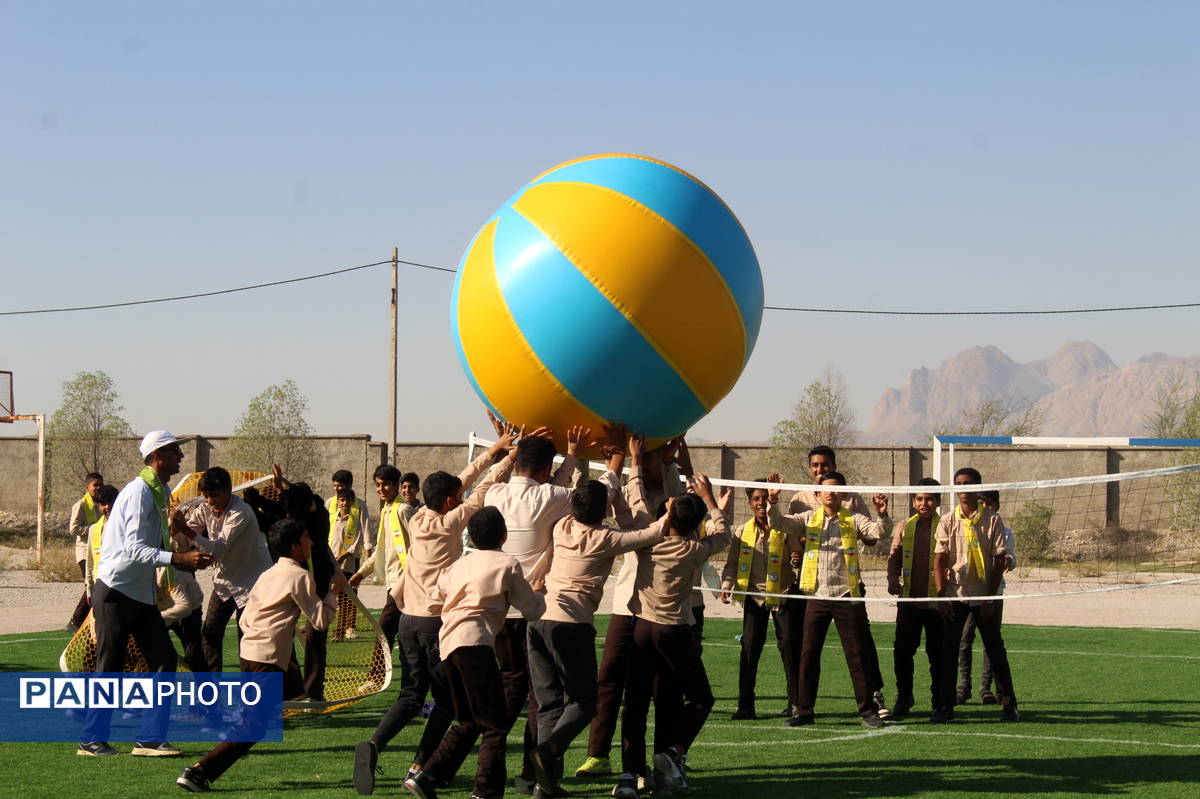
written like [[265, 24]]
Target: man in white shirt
[[136, 542]]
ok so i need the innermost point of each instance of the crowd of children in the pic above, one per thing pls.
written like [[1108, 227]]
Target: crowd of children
[[507, 624]]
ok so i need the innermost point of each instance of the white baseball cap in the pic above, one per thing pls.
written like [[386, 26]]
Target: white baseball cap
[[156, 440]]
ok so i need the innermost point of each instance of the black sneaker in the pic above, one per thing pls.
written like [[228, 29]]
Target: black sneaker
[[544, 768], [873, 721], [962, 695], [801, 721], [421, 786], [193, 780], [96, 749], [881, 708], [1010, 714], [903, 707], [626, 787], [366, 759], [988, 698], [942, 715], [786, 712], [743, 715]]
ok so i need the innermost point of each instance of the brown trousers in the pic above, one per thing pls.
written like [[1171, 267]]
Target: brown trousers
[[851, 621]]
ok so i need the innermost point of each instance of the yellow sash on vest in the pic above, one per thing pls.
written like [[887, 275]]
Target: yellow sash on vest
[[812, 548], [910, 535], [159, 492], [393, 526], [342, 546], [974, 551], [775, 541], [91, 513], [95, 539]]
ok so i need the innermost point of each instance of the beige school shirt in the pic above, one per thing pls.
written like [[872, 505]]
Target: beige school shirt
[[667, 571], [268, 623], [583, 559], [757, 580], [347, 553], [238, 548], [920, 580], [475, 593], [832, 578], [383, 559], [80, 526], [436, 540], [807, 500], [951, 539]]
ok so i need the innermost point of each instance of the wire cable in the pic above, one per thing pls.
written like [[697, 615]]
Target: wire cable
[[788, 308]]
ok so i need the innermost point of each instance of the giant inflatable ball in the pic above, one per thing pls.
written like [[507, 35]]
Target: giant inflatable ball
[[613, 287]]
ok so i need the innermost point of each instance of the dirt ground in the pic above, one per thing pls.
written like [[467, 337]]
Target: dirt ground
[[27, 605]]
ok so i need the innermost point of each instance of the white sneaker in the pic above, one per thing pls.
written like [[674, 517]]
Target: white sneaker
[[626, 787], [881, 705], [668, 764]]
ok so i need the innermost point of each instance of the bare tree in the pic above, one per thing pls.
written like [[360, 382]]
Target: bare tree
[[85, 433], [822, 415], [1176, 411], [273, 430], [996, 416]]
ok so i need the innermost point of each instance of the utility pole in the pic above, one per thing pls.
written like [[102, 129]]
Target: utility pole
[[41, 477], [392, 373]]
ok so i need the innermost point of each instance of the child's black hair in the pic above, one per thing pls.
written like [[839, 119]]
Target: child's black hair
[[215, 479], [487, 528], [439, 487], [589, 501], [285, 535]]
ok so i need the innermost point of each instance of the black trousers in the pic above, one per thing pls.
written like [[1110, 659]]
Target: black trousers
[[473, 680], [562, 664], [512, 654], [851, 621], [216, 619], [666, 651], [993, 644], [420, 674], [117, 617], [964, 655], [79, 615], [788, 619], [389, 621], [911, 621], [224, 755], [188, 629]]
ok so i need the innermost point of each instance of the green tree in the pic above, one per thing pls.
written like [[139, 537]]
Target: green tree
[[822, 415], [1176, 410], [273, 430], [86, 433]]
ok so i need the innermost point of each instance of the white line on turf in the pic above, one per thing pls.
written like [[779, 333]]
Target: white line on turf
[[1061, 738], [1101, 654], [26, 640]]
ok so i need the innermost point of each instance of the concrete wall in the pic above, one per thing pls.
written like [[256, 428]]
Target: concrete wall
[[1125, 507]]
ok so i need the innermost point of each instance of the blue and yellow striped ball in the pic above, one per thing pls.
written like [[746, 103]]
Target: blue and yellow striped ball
[[612, 287]]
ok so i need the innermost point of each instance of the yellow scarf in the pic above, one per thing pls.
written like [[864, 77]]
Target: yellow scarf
[[159, 491], [974, 551], [812, 548], [95, 539], [90, 512], [389, 522], [775, 541], [343, 546], [910, 535]]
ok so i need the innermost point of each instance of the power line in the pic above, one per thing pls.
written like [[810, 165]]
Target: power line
[[788, 308]]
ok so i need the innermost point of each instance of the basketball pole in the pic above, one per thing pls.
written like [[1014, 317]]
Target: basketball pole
[[40, 418], [391, 458]]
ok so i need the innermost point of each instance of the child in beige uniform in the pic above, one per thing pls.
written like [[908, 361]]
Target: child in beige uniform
[[663, 640], [475, 593], [268, 627]]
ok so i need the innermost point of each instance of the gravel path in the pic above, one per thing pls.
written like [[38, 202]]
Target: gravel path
[[27, 605]]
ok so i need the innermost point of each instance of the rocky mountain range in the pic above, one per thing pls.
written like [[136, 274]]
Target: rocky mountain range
[[1078, 391]]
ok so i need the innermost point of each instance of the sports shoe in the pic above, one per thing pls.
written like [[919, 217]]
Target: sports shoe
[[962, 695], [645, 784], [421, 786], [193, 780], [1010, 714], [988, 698], [594, 767], [668, 764], [881, 708], [96, 749], [874, 721], [366, 759], [156, 749], [543, 768], [523, 786], [801, 721], [743, 715], [787, 711], [942, 715], [903, 707], [626, 787]]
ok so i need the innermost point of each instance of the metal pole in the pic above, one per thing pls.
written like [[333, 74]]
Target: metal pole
[[40, 418], [392, 373]]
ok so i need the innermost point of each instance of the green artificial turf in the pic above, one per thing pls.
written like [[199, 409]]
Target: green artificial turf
[[1104, 713]]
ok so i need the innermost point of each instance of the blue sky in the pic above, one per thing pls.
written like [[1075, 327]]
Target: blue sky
[[880, 155]]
